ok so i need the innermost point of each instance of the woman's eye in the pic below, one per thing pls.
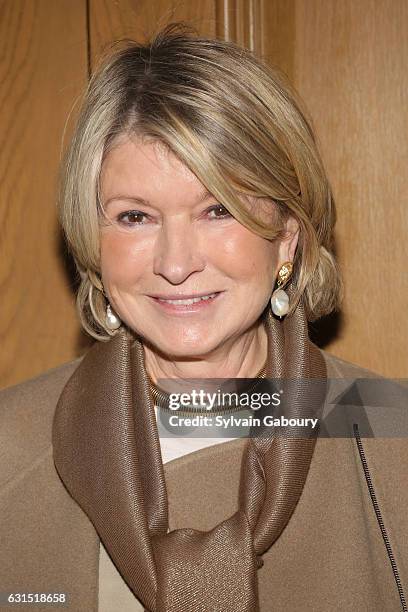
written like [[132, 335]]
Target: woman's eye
[[131, 217], [218, 212], [136, 217]]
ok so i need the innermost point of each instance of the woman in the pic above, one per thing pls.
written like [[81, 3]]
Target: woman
[[197, 209]]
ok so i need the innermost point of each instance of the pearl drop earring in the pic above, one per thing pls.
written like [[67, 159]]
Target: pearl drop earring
[[112, 321], [280, 299]]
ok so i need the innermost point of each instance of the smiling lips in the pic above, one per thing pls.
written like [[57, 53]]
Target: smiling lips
[[182, 302], [187, 300]]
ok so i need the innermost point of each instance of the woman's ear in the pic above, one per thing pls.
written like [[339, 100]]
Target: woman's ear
[[288, 244]]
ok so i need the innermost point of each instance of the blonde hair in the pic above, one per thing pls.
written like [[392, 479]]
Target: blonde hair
[[234, 121]]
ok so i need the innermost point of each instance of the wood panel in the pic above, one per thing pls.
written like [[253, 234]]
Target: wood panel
[[351, 67], [43, 68], [277, 35]]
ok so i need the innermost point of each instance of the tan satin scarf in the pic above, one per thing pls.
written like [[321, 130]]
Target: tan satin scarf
[[107, 453]]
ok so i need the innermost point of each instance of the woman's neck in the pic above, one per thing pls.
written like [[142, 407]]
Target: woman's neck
[[240, 358]]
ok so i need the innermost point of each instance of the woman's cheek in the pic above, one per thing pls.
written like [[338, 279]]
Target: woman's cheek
[[123, 252]]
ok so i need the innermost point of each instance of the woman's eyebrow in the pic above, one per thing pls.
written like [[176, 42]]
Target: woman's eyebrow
[[203, 195], [136, 199]]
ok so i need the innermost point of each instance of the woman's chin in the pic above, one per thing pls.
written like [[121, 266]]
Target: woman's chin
[[179, 349]]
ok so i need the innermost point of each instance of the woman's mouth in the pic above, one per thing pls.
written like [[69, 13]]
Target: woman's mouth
[[186, 304]]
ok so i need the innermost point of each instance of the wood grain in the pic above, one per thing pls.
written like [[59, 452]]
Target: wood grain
[[277, 35], [43, 50], [351, 68]]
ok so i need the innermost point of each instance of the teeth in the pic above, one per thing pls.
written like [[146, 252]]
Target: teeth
[[190, 301]]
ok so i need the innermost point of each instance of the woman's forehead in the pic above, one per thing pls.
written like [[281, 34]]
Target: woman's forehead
[[134, 165], [155, 155]]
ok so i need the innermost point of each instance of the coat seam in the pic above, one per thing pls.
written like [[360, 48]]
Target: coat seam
[[380, 521], [16, 478]]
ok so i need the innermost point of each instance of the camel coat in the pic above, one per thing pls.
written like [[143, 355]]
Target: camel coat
[[335, 554]]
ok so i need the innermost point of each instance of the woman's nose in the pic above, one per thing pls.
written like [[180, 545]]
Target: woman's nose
[[177, 253]]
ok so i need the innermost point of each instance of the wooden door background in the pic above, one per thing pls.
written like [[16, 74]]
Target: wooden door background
[[349, 61]]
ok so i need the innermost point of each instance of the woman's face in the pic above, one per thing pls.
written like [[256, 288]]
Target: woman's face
[[170, 245]]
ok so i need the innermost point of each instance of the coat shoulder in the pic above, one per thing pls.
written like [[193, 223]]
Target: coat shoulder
[[26, 414]]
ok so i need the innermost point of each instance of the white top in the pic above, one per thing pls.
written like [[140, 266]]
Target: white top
[[175, 447]]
